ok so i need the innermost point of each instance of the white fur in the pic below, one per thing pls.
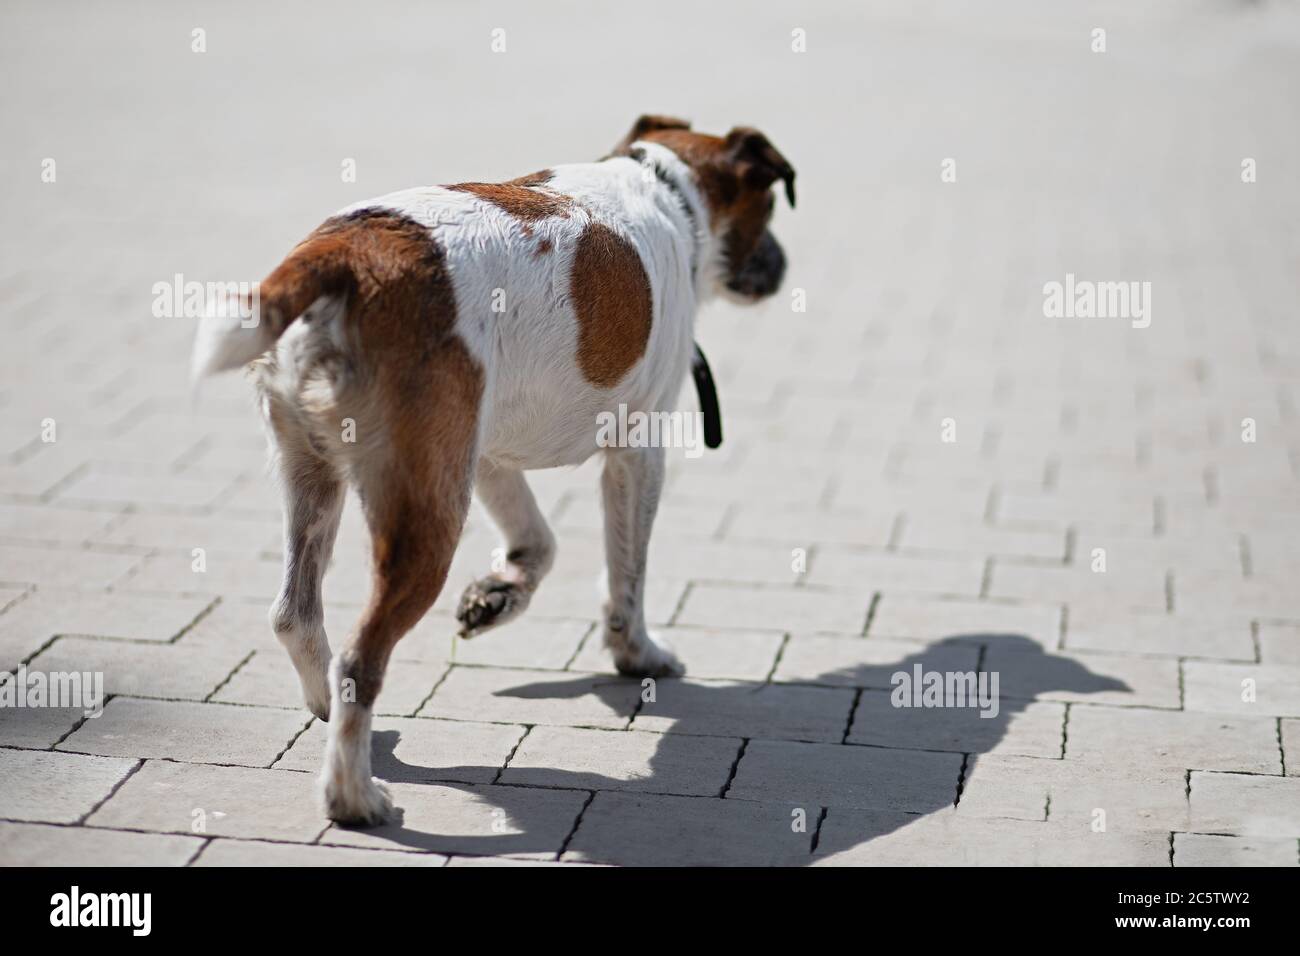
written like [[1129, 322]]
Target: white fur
[[539, 411]]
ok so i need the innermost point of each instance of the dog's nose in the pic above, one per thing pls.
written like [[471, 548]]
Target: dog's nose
[[762, 272]]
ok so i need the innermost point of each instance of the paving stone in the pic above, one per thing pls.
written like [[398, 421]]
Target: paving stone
[[227, 574], [1089, 678], [50, 612], [531, 643], [43, 524], [1020, 727], [1075, 793], [1254, 689], [269, 680], [875, 838], [178, 532], [56, 787], [708, 653], [1205, 849], [172, 671], [930, 533], [181, 730], [623, 760], [804, 528], [583, 598], [936, 619], [501, 821], [63, 567], [894, 572], [833, 775], [149, 491], [1120, 631], [652, 830], [37, 727], [36, 844], [1025, 582], [168, 797], [866, 662], [748, 608], [733, 709], [1280, 644], [418, 750], [1245, 804], [262, 853], [502, 695], [1138, 737], [246, 625]]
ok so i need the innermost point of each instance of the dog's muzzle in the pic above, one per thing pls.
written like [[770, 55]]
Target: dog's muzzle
[[761, 273]]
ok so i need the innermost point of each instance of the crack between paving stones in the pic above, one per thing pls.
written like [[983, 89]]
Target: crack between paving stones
[[681, 603], [853, 712], [111, 793], [582, 643], [780, 653], [731, 774], [961, 779], [292, 740], [229, 677], [198, 853], [817, 832], [577, 822], [871, 614], [528, 729], [1065, 731], [436, 684], [198, 618]]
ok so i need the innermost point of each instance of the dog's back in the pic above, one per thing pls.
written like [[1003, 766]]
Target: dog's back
[[571, 287]]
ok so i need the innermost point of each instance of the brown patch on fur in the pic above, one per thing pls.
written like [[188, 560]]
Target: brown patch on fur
[[612, 300], [521, 198], [543, 247], [413, 390], [539, 178]]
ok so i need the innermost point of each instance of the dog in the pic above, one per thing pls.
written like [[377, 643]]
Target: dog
[[446, 339]]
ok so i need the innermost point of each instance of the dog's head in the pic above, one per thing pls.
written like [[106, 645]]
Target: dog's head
[[734, 174]]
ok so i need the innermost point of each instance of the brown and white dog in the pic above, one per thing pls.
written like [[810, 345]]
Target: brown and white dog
[[448, 338]]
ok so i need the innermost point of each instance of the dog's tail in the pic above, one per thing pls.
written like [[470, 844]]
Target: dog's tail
[[237, 330]]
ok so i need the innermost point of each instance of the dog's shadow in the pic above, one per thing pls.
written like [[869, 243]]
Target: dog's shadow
[[945, 741]]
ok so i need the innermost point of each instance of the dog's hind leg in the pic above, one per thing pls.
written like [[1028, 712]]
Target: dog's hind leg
[[630, 486], [529, 551], [313, 502], [415, 492]]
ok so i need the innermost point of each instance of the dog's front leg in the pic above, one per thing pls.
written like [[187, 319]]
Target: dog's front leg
[[630, 486], [529, 551]]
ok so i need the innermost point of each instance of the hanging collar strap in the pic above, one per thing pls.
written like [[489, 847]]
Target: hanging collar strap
[[708, 398]]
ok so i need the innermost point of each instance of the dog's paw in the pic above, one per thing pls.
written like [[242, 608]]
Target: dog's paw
[[360, 802], [487, 603], [647, 657], [311, 661]]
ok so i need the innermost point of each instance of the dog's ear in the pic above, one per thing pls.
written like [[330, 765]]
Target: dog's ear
[[648, 123], [759, 163]]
